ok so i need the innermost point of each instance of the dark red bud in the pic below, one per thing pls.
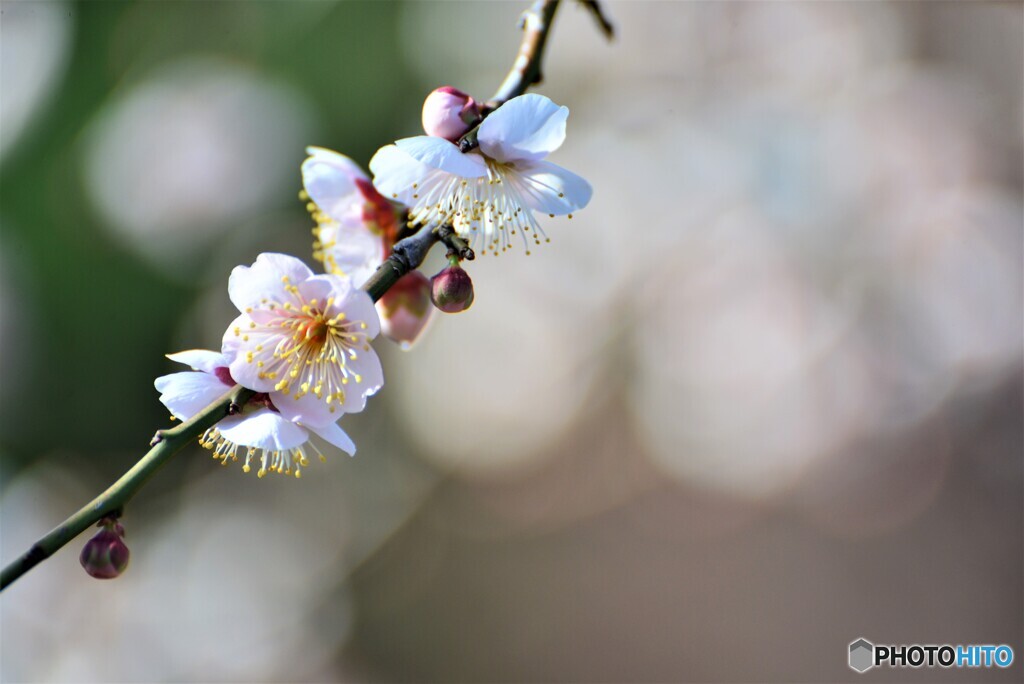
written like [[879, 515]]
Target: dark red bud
[[105, 556], [451, 290]]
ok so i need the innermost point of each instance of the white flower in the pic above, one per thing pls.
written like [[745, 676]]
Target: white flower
[[356, 227], [273, 437], [303, 335], [488, 194]]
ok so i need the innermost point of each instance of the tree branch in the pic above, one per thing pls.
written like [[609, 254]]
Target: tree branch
[[535, 23], [165, 443], [406, 255], [526, 69]]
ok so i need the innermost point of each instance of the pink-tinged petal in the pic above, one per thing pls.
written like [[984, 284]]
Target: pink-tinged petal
[[448, 113], [186, 394], [325, 287], [330, 180], [440, 154], [306, 409], [367, 366], [528, 127], [247, 345], [263, 429], [404, 327], [250, 286], [406, 310], [550, 189], [200, 359], [358, 306], [333, 434]]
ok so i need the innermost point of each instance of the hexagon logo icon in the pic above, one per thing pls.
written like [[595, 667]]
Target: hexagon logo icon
[[862, 654]]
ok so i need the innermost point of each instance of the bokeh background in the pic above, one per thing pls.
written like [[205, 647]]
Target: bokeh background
[[761, 398]]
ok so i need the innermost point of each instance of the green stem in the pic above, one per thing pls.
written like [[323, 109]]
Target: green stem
[[166, 443]]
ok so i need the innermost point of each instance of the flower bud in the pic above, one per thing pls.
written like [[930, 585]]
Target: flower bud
[[105, 556], [451, 290], [449, 112], [405, 309]]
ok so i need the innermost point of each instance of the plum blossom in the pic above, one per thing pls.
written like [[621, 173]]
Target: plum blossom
[[488, 194], [356, 229], [304, 336], [273, 436], [356, 226]]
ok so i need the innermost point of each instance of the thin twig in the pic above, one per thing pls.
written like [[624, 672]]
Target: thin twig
[[456, 245], [406, 255], [165, 443], [526, 68], [535, 23], [599, 16]]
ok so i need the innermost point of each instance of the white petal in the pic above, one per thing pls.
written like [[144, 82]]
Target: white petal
[[528, 127], [186, 394], [245, 371], [550, 189], [336, 436], [330, 180], [263, 429], [358, 306], [395, 172], [200, 359], [249, 285], [440, 154], [327, 286], [351, 250], [367, 366], [307, 409]]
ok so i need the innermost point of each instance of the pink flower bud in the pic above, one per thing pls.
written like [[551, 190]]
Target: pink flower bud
[[448, 113], [105, 556], [405, 309], [451, 290]]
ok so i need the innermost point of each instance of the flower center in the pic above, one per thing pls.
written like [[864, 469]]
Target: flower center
[[488, 210], [305, 348]]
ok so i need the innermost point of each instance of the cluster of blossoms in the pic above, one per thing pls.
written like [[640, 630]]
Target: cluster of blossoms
[[301, 341]]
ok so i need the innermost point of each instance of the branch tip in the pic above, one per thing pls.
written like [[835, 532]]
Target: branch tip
[[607, 28]]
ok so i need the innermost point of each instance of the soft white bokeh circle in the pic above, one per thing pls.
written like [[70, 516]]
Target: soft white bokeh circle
[[34, 41], [197, 146]]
